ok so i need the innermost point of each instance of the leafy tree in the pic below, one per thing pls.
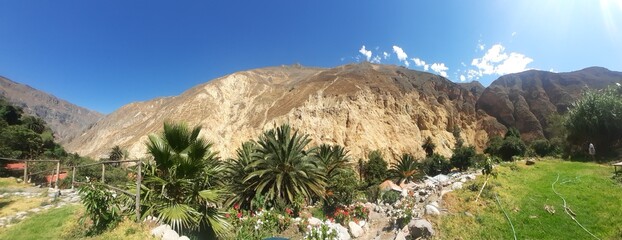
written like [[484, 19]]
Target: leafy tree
[[597, 118], [436, 164], [341, 189], [428, 146], [9, 113], [542, 147], [404, 169], [283, 169], [462, 157], [376, 168], [511, 145], [182, 184]]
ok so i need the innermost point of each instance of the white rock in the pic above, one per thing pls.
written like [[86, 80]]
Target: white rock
[[313, 221], [159, 230], [170, 234], [456, 186], [342, 232], [434, 204], [362, 223], [183, 238], [420, 228], [432, 210], [400, 236], [355, 229]]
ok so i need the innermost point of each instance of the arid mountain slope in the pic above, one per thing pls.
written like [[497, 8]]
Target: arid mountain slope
[[361, 106], [525, 100], [66, 120]]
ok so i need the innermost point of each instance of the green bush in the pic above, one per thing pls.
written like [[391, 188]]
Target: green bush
[[341, 189], [543, 147], [511, 145], [436, 164], [100, 207], [462, 157], [390, 196]]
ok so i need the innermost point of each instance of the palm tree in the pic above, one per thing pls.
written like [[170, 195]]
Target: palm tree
[[181, 184], [428, 146], [283, 169], [334, 159], [405, 169], [236, 170], [116, 153]]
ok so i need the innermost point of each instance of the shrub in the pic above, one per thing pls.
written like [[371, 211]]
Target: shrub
[[341, 189], [372, 193], [100, 207], [511, 145], [436, 164], [542, 147], [463, 157], [390, 197], [322, 232]]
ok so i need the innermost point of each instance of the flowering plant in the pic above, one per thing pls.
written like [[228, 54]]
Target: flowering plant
[[342, 216], [359, 211]]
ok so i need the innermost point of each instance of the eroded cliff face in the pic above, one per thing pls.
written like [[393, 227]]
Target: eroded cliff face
[[526, 100], [361, 106]]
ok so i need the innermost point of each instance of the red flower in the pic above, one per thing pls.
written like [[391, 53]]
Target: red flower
[[227, 215], [236, 206], [289, 211], [239, 215]]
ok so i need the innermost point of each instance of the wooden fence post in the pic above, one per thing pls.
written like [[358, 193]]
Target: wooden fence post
[[57, 174], [73, 176], [25, 172], [138, 181], [103, 171]]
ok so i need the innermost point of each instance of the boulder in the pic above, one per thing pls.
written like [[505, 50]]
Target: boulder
[[420, 228], [355, 229], [530, 161], [313, 221], [432, 210], [342, 232], [158, 232], [362, 223], [170, 234], [389, 185], [456, 186], [400, 236]]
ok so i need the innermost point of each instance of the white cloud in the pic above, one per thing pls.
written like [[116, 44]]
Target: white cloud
[[365, 52], [462, 78], [462, 63], [440, 68], [496, 61], [386, 55], [401, 55], [420, 63], [376, 59], [513, 34]]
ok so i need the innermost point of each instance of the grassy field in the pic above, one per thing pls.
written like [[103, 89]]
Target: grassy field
[[525, 193]]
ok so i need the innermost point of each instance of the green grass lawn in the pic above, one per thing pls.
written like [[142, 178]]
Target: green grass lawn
[[48, 225], [524, 191]]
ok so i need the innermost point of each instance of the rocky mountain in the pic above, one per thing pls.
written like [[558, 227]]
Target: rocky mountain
[[526, 99], [66, 120], [361, 106]]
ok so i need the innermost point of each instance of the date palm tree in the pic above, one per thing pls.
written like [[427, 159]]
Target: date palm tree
[[182, 184], [334, 159], [428, 146], [283, 169], [405, 169], [236, 170]]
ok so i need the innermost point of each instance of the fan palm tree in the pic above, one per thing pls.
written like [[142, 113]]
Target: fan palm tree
[[236, 170], [405, 169], [283, 169], [181, 184], [116, 153], [334, 159]]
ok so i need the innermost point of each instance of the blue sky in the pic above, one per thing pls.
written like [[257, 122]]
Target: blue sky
[[105, 54]]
